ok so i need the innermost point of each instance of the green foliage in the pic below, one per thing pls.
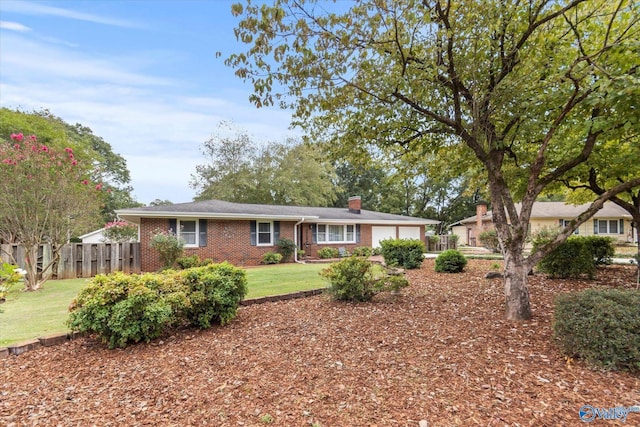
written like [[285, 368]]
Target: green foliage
[[271, 258], [489, 239], [600, 326], [10, 275], [120, 231], [450, 261], [406, 253], [186, 262], [214, 293], [286, 247], [168, 246], [245, 172], [363, 251], [327, 252], [577, 256], [124, 309], [601, 248], [353, 279]]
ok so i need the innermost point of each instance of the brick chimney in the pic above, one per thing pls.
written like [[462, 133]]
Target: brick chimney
[[355, 204], [481, 210]]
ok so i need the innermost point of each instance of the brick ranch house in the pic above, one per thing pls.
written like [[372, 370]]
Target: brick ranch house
[[611, 221], [242, 233]]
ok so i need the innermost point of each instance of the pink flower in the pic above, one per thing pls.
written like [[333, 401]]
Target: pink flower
[[16, 146], [68, 150], [71, 155], [33, 138], [74, 162], [17, 137], [85, 182], [44, 148], [99, 187]]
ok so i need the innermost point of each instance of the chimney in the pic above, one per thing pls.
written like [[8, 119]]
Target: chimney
[[481, 210], [355, 204]]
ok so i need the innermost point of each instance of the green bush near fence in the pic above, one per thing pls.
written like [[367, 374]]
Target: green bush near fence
[[123, 309]]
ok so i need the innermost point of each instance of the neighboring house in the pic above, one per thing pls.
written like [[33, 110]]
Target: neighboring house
[[611, 221], [242, 233], [95, 236]]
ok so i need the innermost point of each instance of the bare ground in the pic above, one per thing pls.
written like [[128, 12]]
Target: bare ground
[[441, 352]]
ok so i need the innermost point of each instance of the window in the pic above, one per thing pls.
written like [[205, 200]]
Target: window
[[336, 233], [265, 236], [566, 222], [608, 226], [188, 232]]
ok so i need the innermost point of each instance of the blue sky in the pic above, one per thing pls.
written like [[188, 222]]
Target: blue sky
[[141, 74]]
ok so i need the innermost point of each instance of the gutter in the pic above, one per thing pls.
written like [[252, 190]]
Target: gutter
[[295, 235]]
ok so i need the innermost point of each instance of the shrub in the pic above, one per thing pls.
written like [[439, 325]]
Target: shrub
[[601, 249], [363, 251], [489, 239], [168, 245], [286, 247], [450, 261], [271, 258], [124, 308], [353, 279], [601, 327], [9, 275], [406, 253], [571, 259], [325, 253], [214, 293], [188, 262]]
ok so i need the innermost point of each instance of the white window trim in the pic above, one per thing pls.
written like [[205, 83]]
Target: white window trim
[[608, 222], [271, 231], [179, 227], [333, 242], [565, 223]]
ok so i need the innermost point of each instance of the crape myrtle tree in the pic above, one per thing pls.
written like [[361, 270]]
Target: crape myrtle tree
[[45, 197], [521, 92]]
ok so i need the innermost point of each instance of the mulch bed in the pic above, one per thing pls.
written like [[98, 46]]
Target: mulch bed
[[441, 352]]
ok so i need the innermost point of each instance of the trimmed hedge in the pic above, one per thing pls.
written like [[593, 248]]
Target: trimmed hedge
[[124, 309], [450, 261], [601, 327], [577, 256], [406, 253]]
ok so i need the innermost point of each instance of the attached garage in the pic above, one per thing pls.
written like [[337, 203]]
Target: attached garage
[[409, 233], [379, 233]]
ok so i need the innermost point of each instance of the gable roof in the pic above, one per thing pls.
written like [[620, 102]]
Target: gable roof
[[228, 210], [559, 210]]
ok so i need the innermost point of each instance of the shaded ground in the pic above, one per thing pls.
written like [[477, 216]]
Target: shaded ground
[[440, 352]]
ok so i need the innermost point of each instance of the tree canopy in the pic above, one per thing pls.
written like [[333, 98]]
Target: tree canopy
[[520, 93], [107, 167]]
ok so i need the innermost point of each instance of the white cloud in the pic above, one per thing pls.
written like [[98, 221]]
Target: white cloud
[[33, 8], [13, 26]]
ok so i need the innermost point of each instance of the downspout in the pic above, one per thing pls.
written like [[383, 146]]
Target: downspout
[[295, 234]]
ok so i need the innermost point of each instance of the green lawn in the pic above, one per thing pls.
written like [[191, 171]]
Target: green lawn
[[28, 315]]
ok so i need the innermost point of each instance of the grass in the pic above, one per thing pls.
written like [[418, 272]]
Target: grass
[[28, 315]]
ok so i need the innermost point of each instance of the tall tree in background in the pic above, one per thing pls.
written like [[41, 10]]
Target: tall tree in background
[[239, 170], [523, 92], [108, 168]]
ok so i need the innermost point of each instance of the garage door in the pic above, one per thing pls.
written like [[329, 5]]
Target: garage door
[[381, 233], [409, 233]]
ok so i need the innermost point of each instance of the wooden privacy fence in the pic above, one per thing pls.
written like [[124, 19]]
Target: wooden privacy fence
[[81, 259], [444, 242]]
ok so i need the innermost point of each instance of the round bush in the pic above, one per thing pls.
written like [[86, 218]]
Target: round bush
[[450, 261]]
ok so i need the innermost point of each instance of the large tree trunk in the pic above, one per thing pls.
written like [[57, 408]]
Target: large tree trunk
[[516, 291]]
